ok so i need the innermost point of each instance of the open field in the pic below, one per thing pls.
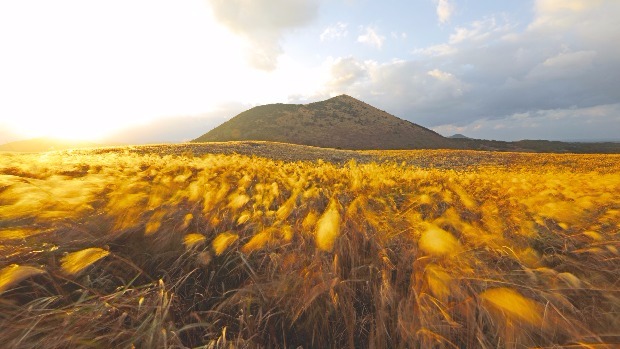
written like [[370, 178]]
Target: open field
[[174, 246]]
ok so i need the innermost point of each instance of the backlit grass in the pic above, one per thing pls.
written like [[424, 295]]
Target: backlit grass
[[116, 249]]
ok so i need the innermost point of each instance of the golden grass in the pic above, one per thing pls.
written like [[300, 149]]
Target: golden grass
[[513, 306], [223, 241], [14, 273], [193, 240], [471, 250], [75, 262], [328, 227], [438, 242]]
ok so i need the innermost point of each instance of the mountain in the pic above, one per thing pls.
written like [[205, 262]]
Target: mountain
[[540, 146], [459, 136], [339, 122], [44, 144]]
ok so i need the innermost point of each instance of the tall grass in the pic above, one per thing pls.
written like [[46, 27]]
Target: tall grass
[[137, 250]]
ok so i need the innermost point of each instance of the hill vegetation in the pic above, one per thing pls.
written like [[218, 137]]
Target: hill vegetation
[[340, 122]]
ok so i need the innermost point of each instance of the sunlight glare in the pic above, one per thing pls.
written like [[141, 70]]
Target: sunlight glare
[[79, 77]]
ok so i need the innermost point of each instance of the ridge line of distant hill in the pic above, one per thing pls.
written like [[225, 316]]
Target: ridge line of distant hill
[[344, 122], [339, 122]]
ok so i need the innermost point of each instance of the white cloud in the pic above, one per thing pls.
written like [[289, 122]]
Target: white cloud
[[480, 30], [371, 37], [404, 85], [262, 23], [490, 70], [444, 11], [561, 13], [436, 50], [550, 6], [397, 35], [343, 74], [440, 75], [336, 31]]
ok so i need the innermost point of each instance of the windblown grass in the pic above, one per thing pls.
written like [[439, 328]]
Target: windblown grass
[[120, 249], [75, 262], [14, 273]]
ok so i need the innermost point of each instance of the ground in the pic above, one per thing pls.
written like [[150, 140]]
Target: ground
[[257, 244]]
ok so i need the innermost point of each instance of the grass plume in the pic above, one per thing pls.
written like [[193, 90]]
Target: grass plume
[[75, 262], [14, 273], [121, 248]]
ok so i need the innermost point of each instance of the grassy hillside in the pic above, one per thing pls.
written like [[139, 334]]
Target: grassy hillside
[[130, 247], [346, 123], [340, 122]]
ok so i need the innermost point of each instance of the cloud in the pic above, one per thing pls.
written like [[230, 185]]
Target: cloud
[[436, 50], [562, 13], [397, 35], [449, 83], [371, 37], [345, 73], [262, 23], [573, 124], [564, 66], [336, 31], [554, 6], [479, 30], [491, 70], [401, 85], [444, 11], [175, 129]]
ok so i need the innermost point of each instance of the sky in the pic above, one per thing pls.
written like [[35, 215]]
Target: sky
[[144, 71]]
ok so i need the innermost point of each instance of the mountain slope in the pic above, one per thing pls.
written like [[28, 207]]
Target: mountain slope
[[339, 122], [459, 136]]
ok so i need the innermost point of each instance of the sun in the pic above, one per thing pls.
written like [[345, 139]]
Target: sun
[[67, 129]]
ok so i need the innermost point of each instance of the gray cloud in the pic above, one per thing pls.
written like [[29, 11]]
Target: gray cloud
[[574, 124], [346, 72], [562, 61], [262, 23]]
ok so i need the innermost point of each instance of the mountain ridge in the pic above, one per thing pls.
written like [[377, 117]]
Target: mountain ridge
[[459, 136], [338, 122], [343, 122]]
